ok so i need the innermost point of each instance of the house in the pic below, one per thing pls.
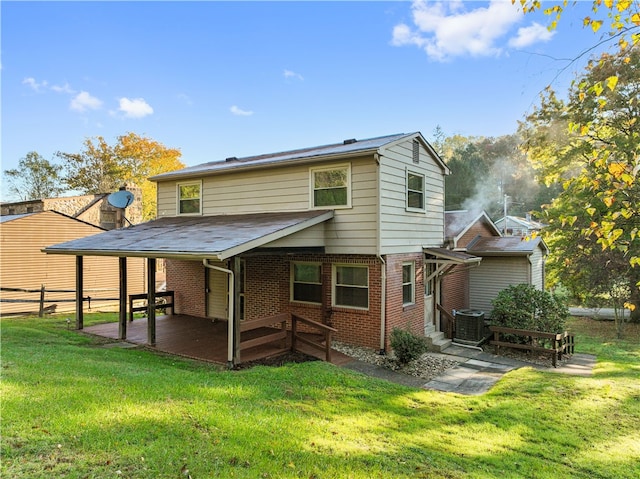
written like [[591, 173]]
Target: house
[[518, 226], [349, 234], [23, 265], [93, 209], [505, 261]]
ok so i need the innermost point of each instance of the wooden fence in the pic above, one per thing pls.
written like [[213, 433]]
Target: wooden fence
[[560, 343], [42, 299]]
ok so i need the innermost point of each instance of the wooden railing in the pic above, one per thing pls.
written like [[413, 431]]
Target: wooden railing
[[279, 334], [143, 296], [561, 343], [278, 326], [447, 322], [325, 330]]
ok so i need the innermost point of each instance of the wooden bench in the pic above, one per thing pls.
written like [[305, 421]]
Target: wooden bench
[[562, 343], [141, 296]]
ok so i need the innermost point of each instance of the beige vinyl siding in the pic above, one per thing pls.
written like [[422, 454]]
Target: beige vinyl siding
[[537, 268], [352, 230], [217, 297], [492, 276], [404, 231], [23, 265]]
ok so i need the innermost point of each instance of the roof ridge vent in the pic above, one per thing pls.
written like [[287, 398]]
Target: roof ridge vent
[[349, 141], [231, 158]]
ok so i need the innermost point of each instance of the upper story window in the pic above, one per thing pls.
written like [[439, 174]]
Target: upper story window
[[331, 187], [189, 198], [351, 286], [415, 191], [408, 283], [306, 282]]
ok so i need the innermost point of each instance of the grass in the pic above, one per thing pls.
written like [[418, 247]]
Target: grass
[[73, 408]]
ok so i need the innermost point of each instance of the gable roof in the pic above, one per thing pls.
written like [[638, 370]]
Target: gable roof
[[506, 246], [7, 218], [458, 222], [194, 237], [10, 218], [346, 149]]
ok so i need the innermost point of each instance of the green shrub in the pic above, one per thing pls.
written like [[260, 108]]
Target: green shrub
[[524, 307], [406, 345]]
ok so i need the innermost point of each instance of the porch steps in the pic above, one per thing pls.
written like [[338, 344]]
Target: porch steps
[[437, 342]]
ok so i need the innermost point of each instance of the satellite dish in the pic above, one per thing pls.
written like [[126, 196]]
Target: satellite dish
[[120, 199]]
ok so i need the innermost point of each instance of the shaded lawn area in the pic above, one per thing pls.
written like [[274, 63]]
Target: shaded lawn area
[[73, 408]]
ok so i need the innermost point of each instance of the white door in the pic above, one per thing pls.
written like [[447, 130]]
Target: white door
[[218, 294], [429, 308]]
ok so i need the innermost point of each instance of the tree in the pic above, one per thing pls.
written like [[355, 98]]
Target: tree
[[35, 178], [591, 144], [483, 170], [101, 168]]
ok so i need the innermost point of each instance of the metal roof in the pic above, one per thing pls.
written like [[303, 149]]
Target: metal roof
[[346, 148], [193, 237], [505, 246]]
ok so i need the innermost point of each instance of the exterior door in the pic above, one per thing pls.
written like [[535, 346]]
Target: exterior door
[[217, 294], [429, 308]]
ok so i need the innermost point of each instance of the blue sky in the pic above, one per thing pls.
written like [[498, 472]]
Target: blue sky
[[220, 79]]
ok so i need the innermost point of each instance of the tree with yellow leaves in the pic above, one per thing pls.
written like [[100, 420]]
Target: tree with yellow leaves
[[102, 168]]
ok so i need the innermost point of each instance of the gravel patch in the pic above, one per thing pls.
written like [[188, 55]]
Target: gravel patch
[[427, 366]]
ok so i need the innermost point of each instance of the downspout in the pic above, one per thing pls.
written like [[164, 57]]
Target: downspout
[[230, 314], [383, 273]]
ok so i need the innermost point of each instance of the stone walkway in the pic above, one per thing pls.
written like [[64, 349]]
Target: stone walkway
[[476, 372]]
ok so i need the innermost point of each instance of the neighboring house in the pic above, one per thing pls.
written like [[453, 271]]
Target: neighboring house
[[349, 234], [518, 226], [23, 265], [92, 209]]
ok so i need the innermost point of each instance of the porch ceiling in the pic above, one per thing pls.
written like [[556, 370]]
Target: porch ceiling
[[193, 237]]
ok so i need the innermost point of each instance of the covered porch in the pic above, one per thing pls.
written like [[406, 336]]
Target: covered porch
[[217, 243], [206, 340]]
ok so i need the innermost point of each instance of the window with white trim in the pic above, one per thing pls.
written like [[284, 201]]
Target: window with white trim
[[351, 286], [408, 283], [415, 191], [331, 187], [306, 282], [189, 198]]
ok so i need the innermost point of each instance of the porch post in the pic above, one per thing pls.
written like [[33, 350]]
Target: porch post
[[122, 328], [236, 309], [79, 295], [151, 301]]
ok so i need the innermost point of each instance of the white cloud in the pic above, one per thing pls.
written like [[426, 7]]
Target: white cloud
[[185, 98], [83, 101], [529, 35], [239, 112], [63, 89], [449, 29], [35, 86], [135, 108], [292, 74]]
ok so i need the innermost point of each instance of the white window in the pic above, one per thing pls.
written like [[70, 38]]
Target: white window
[[408, 283], [331, 187], [415, 191], [351, 286], [189, 198], [306, 282]]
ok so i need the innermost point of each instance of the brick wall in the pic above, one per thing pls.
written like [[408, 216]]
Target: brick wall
[[455, 289], [186, 278], [398, 316], [267, 292]]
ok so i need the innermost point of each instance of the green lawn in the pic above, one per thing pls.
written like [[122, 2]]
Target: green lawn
[[75, 409]]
